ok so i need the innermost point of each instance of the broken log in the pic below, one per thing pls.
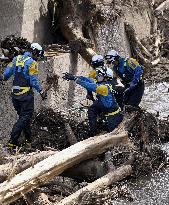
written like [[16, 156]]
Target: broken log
[[130, 31], [54, 165], [71, 25], [101, 183], [155, 62], [160, 9], [137, 49], [157, 44], [22, 162]]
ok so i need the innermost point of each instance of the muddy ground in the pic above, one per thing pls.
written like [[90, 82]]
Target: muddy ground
[[145, 131]]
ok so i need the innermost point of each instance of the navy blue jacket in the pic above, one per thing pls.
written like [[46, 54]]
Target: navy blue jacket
[[30, 70]]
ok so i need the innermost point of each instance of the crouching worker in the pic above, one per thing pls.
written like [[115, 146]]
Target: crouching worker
[[105, 104], [25, 72], [97, 62]]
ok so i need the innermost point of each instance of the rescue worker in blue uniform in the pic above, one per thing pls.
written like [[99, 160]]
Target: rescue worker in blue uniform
[[130, 72], [105, 104], [97, 62], [24, 68]]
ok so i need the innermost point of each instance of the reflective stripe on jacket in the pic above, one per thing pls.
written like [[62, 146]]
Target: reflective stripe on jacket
[[29, 68]]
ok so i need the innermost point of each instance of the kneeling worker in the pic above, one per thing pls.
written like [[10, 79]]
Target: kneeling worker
[[25, 72], [97, 62], [105, 104]]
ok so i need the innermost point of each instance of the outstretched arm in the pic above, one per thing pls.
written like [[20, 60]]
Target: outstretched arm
[[91, 86], [87, 83]]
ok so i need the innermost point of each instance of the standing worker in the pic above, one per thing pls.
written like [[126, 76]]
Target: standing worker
[[24, 68], [130, 72], [105, 104]]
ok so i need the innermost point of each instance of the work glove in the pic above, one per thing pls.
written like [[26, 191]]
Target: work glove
[[132, 86], [69, 76], [89, 96], [43, 95]]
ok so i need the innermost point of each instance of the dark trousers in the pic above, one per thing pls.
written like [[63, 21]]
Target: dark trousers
[[119, 92], [24, 106], [97, 109], [114, 121], [136, 94]]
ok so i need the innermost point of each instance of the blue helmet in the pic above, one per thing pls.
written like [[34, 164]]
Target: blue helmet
[[97, 60], [112, 56]]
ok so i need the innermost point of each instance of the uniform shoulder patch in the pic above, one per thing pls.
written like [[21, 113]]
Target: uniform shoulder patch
[[33, 69], [102, 90], [92, 74]]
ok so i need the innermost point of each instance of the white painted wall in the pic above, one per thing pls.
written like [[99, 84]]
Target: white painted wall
[[27, 18], [34, 19]]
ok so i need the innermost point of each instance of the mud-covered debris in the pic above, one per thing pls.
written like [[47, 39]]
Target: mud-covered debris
[[105, 196]]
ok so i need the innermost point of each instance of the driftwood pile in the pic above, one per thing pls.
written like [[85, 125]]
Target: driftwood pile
[[55, 174], [24, 182], [109, 157]]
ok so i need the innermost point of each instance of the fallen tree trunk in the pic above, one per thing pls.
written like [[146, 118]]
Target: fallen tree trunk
[[101, 183], [56, 164], [22, 162], [130, 31], [136, 46], [71, 24], [163, 6], [90, 168], [157, 44], [78, 42], [155, 62]]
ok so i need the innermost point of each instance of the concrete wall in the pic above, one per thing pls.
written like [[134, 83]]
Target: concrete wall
[[27, 18], [68, 94], [11, 13], [36, 23]]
